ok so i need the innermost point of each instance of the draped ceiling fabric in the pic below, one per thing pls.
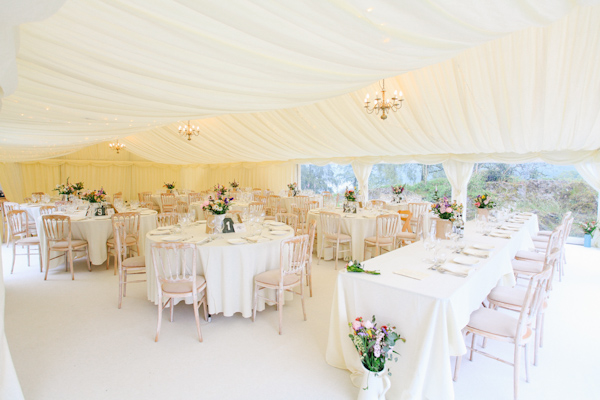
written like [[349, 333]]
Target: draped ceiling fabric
[[281, 81]]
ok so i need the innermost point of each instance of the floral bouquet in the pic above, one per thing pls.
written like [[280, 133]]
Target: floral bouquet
[[588, 227], [169, 186], [355, 266], [398, 190], [374, 345], [350, 195], [445, 210], [483, 201], [220, 190], [234, 184], [94, 196], [68, 188], [217, 207], [293, 187]]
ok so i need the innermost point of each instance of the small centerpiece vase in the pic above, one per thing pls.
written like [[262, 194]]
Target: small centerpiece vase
[[483, 212], [442, 226], [373, 385], [587, 240]]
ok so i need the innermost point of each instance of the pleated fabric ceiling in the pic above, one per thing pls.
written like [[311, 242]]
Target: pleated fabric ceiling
[[285, 80]]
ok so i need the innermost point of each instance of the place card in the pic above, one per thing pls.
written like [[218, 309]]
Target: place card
[[239, 228]]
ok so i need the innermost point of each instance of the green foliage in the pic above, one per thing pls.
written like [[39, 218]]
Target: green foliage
[[333, 178]]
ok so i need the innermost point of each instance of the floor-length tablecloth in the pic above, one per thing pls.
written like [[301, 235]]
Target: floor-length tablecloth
[[96, 231], [229, 270], [429, 313]]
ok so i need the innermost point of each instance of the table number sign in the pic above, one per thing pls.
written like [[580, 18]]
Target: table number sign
[[228, 225]]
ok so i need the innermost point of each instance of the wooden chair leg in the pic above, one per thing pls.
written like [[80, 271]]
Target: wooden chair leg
[[172, 305], [197, 317], [472, 347], [280, 306], [255, 302], [302, 300], [28, 256], [14, 257], [516, 370], [457, 367], [87, 256], [47, 263], [40, 255], [205, 306], [160, 305], [526, 359], [71, 264]]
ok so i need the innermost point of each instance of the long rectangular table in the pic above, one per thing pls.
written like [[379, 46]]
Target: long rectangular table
[[429, 313]]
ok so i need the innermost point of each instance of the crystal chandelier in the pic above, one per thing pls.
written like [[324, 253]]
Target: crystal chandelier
[[189, 130], [116, 146], [382, 104]]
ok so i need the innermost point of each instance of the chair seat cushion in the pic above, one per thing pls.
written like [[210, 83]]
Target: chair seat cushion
[[544, 233], [530, 255], [540, 245], [495, 322], [139, 261], [183, 286], [541, 238], [65, 245], [406, 235], [507, 295], [532, 267], [382, 241], [343, 237], [272, 278], [129, 240], [28, 241]]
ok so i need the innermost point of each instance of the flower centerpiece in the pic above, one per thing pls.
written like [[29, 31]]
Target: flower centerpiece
[[397, 191], [234, 185], [375, 346], [356, 266], [94, 196], [446, 210], [169, 186], [350, 195], [588, 228], [350, 205], [218, 206], [220, 190], [483, 201], [292, 189]]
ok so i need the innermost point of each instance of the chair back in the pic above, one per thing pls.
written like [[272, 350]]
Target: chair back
[[405, 217], [327, 197], [312, 231], [147, 204], [47, 210], [377, 203], [145, 197], [256, 207], [182, 207], [168, 201], [57, 228], [174, 262], [9, 206], [553, 250], [386, 226], [18, 221], [194, 197], [120, 236], [535, 296], [166, 219], [118, 195], [274, 203], [331, 224], [261, 199], [289, 219], [301, 201], [293, 255], [418, 208], [130, 222]]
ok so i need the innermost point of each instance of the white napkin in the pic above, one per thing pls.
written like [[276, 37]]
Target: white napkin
[[257, 239], [456, 269], [410, 273], [476, 252], [197, 240], [501, 234]]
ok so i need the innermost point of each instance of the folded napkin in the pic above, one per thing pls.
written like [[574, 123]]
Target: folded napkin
[[410, 273], [197, 240], [78, 217], [476, 252], [526, 214], [257, 239], [456, 269], [501, 234], [510, 228], [517, 221], [159, 233]]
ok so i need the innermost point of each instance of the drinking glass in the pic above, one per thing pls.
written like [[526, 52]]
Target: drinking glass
[[210, 222]]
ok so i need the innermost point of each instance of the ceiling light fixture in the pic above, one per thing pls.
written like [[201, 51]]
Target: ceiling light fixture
[[189, 130], [382, 104], [116, 146]]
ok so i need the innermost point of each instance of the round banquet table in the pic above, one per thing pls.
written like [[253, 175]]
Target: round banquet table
[[358, 226], [156, 199], [286, 202], [33, 210], [229, 269], [197, 207], [395, 207], [96, 230]]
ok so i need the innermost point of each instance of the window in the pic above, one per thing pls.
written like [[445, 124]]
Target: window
[[420, 179], [331, 177]]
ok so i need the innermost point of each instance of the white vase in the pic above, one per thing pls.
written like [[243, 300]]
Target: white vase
[[373, 385]]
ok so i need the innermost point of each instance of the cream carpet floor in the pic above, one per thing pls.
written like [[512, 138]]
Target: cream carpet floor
[[69, 341]]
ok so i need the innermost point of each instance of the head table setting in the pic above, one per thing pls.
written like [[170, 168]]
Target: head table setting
[[399, 199]]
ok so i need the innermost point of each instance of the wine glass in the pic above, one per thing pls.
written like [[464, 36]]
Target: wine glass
[[460, 245], [210, 222], [428, 244], [219, 227]]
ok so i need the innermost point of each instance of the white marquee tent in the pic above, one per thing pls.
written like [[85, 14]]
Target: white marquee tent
[[276, 83]]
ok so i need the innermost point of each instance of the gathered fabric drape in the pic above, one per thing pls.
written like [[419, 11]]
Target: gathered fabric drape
[[362, 172], [590, 172], [459, 174]]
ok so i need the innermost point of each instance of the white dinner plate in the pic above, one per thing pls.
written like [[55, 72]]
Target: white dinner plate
[[483, 246], [274, 223], [102, 217], [464, 260], [236, 241], [164, 228], [279, 233]]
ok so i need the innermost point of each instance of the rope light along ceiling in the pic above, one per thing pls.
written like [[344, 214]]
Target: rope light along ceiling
[[382, 104], [189, 130]]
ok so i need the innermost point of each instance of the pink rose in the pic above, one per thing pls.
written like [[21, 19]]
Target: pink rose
[[477, 204], [367, 324], [356, 325], [205, 203], [486, 202], [449, 210]]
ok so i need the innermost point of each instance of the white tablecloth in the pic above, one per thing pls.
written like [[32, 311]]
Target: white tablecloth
[[96, 231], [395, 207], [429, 313], [229, 269], [33, 210]]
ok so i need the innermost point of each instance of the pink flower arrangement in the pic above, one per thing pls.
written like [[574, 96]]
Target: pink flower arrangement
[[446, 210], [374, 345], [483, 201]]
